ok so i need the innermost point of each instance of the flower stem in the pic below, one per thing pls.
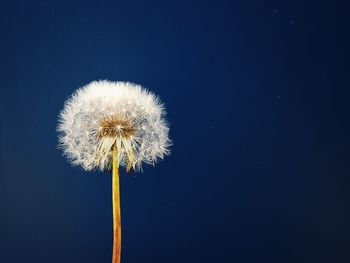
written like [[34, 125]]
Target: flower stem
[[116, 207]]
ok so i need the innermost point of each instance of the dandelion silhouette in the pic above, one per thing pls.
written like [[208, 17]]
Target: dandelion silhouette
[[105, 125]]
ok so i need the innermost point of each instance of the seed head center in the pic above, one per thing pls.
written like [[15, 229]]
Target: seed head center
[[116, 127]]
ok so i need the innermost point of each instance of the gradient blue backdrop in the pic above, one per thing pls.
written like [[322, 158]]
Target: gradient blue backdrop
[[257, 94]]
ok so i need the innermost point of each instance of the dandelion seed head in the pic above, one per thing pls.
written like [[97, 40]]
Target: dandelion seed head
[[104, 113]]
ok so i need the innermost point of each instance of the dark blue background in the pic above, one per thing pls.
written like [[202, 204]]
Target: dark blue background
[[257, 94]]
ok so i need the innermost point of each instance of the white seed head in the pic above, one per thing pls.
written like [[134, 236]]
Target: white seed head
[[105, 113]]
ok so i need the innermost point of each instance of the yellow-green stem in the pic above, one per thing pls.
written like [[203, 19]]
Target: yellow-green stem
[[116, 208]]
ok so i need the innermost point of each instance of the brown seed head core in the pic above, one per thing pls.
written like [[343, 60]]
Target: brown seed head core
[[116, 127]]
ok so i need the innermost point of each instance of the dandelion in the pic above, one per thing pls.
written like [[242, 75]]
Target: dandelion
[[105, 125]]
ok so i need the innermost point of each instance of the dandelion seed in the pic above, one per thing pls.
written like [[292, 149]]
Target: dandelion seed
[[105, 125]]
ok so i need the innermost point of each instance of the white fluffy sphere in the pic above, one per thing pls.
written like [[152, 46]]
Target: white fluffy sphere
[[105, 113]]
